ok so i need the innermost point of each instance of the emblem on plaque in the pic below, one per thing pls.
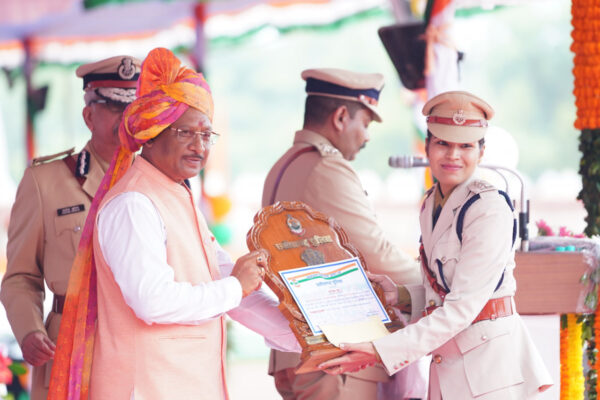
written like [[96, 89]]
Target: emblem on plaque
[[459, 117], [312, 257], [294, 225]]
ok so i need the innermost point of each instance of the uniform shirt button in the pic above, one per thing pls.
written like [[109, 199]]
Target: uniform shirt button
[[432, 303], [437, 359], [443, 259], [77, 228], [483, 337]]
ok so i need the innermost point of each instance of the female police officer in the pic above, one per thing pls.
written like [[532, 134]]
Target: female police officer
[[464, 312]]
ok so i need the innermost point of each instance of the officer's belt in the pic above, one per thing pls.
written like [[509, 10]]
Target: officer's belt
[[494, 308], [58, 303]]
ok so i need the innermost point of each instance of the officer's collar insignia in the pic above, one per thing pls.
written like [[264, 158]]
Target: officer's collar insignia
[[327, 149], [83, 164]]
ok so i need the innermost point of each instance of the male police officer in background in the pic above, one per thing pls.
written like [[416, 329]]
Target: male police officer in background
[[49, 212], [316, 170]]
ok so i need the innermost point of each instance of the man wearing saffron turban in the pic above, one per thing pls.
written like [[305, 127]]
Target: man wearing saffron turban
[[49, 212], [163, 283]]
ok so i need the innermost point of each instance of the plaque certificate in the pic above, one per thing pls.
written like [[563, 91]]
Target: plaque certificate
[[320, 280], [335, 293]]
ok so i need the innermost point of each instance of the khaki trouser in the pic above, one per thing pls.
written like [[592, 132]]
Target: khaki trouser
[[321, 386]]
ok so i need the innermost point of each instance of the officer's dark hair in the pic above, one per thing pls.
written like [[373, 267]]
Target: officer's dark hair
[[318, 108], [430, 135]]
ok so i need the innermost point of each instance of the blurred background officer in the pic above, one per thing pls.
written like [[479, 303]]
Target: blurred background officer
[[316, 170], [49, 213]]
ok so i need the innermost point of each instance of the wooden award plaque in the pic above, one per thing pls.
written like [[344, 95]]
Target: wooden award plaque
[[295, 236]]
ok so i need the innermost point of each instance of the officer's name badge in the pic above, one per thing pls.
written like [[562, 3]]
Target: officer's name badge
[[70, 210]]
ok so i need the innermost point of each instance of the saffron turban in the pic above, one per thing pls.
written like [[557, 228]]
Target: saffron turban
[[165, 90]]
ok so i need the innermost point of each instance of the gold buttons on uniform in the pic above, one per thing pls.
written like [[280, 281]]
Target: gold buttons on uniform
[[437, 359], [402, 364], [431, 303]]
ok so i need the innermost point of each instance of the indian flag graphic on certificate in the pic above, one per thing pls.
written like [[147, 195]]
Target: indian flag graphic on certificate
[[337, 293]]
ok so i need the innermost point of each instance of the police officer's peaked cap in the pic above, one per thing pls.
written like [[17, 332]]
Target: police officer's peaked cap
[[113, 79], [343, 84], [459, 117]]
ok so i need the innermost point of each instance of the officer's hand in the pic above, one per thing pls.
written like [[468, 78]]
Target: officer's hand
[[359, 356], [37, 348], [390, 290], [250, 271]]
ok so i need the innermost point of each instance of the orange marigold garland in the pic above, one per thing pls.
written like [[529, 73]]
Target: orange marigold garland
[[586, 69], [571, 353], [575, 358], [594, 356], [564, 364], [586, 72]]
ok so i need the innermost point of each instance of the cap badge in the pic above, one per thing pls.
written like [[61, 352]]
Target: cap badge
[[126, 69], [459, 117], [367, 99]]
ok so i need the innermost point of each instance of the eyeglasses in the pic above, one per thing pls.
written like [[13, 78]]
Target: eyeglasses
[[185, 135], [113, 106]]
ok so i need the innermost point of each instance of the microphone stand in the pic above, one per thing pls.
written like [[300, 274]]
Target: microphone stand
[[523, 205]]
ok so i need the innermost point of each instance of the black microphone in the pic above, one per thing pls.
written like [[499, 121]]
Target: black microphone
[[407, 162]]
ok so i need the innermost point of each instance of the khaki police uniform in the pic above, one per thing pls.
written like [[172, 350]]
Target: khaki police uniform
[[316, 173], [49, 214], [46, 222], [480, 347]]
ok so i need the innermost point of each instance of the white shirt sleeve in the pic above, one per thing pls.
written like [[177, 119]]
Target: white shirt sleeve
[[132, 238], [259, 312]]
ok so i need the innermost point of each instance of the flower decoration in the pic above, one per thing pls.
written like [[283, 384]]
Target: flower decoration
[[563, 231], [6, 374], [543, 228]]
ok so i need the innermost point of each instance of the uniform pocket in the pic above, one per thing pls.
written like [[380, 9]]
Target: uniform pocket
[[445, 256], [69, 226], [490, 360]]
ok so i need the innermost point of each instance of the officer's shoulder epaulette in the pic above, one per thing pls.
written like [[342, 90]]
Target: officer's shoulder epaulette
[[327, 150], [41, 160], [480, 186]]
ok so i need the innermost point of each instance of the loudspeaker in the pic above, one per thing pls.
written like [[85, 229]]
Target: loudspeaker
[[406, 48]]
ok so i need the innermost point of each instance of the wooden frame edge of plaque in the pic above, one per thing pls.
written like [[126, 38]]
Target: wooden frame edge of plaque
[[315, 348]]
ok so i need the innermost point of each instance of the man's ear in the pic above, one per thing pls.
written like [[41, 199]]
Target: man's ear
[[339, 118], [87, 117]]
